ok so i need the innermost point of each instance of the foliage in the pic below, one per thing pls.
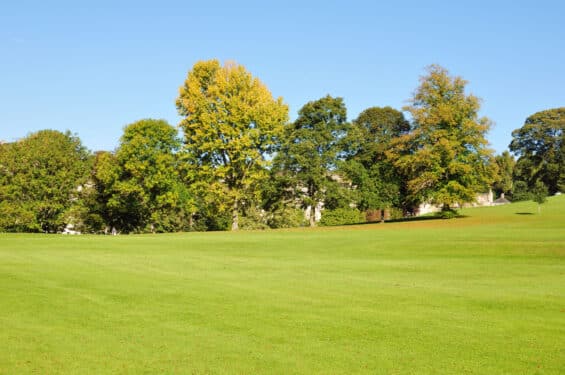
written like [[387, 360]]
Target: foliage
[[540, 147], [39, 180], [254, 219], [377, 182], [16, 217], [338, 194], [286, 217], [394, 213], [342, 216], [504, 178], [447, 214], [231, 124], [521, 192], [148, 158], [310, 151], [100, 199], [279, 202], [445, 155], [139, 187], [241, 165], [376, 128], [539, 193]]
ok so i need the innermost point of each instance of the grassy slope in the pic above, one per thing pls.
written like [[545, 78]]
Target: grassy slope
[[479, 295]]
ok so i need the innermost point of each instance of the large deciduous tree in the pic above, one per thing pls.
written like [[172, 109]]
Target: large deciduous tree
[[231, 124], [40, 179], [377, 181], [310, 151], [445, 155], [540, 147], [140, 187]]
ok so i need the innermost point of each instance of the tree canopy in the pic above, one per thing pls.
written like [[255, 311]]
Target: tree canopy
[[540, 147], [40, 179], [147, 181], [311, 149], [445, 155], [368, 166], [239, 163], [231, 125], [504, 183]]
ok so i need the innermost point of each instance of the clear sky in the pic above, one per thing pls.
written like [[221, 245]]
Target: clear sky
[[93, 67]]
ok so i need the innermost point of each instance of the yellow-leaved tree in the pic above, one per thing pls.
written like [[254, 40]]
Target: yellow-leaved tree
[[231, 125]]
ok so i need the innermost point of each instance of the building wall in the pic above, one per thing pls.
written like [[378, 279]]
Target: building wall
[[482, 200]]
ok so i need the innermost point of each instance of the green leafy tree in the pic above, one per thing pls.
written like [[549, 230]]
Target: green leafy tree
[[370, 169], [103, 206], [521, 191], [40, 179], [279, 199], [540, 147], [140, 188], [539, 194], [148, 155], [311, 150], [231, 125], [504, 178], [445, 155]]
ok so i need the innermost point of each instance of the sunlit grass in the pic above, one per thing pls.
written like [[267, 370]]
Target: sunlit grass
[[484, 294]]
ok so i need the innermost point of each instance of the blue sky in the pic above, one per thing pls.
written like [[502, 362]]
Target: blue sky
[[93, 67]]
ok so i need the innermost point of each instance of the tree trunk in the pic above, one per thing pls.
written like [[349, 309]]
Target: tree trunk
[[235, 216]]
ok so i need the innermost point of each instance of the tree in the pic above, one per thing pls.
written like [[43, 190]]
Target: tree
[[104, 209], [540, 147], [231, 125], [504, 178], [539, 194], [445, 155], [377, 181], [149, 160], [40, 179], [310, 151], [140, 188]]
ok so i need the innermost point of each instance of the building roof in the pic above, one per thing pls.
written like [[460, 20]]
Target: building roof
[[501, 200]]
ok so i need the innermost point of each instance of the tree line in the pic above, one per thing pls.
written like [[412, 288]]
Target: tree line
[[240, 163]]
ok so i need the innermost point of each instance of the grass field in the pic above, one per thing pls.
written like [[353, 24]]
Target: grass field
[[484, 294]]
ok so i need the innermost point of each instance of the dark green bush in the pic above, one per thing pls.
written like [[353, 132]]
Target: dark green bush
[[342, 216], [521, 192], [447, 214], [286, 217]]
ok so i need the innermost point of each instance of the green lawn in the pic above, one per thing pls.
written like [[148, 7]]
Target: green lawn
[[484, 294]]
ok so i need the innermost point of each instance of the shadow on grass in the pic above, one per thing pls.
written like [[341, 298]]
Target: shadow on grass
[[424, 218], [524, 213], [402, 220]]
